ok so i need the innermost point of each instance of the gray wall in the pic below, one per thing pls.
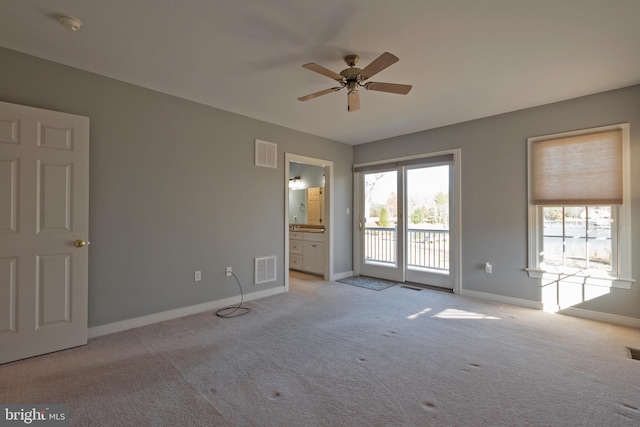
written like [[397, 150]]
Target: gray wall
[[173, 189], [310, 175], [494, 187]]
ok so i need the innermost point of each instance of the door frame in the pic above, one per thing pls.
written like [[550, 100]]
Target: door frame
[[456, 214], [328, 207]]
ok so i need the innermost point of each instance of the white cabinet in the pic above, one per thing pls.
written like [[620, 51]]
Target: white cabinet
[[295, 262], [313, 257], [295, 243], [295, 250], [306, 252]]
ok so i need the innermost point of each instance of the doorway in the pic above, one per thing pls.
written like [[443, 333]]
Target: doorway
[[407, 220], [313, 207]]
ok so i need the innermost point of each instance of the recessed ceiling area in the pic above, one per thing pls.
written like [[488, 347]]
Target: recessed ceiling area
[[466, 59]]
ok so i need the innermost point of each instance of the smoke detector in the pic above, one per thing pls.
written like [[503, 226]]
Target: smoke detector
[[69, 22]]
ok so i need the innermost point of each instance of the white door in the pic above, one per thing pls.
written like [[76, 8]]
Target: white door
[[313, 206], [405, 221], [428, 231], [380, 220], [44, 224]]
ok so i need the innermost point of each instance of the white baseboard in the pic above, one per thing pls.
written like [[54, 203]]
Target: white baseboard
[[339, 276], [110, 328], [502, 299], [601, 317], [569, 311]]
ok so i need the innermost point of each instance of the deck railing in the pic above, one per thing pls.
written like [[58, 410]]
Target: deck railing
[[425, 248], [380, 244]]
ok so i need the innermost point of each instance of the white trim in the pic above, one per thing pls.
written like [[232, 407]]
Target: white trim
[[502, 299], [341, 276], [583, 278], [624, 211], [457, 209], [357, 221], [123, 325], [456, 271], [401, 159], [601, 317], [328, 205]]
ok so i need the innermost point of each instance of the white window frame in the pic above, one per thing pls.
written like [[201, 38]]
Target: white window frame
[[622, 213]]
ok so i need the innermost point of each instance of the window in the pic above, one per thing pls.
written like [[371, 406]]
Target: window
[[579, 215], [579, 238]]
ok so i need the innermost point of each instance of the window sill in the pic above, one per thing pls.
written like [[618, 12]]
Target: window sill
[[581, 277]]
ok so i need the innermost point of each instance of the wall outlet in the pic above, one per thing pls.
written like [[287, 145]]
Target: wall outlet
[[229, 271], [197, 276], [488, 268]]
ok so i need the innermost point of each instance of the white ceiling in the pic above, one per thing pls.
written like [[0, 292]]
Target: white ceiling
[[466, 59]]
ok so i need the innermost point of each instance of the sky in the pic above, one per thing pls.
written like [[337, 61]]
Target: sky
[[423, 183]]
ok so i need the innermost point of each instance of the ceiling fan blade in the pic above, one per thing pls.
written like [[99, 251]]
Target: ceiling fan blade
[[379, 64], [354, 101], [324, 71], [388, 87], [317, 94]]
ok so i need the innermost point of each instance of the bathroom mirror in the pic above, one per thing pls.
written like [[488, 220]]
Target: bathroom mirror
[[298, 206]]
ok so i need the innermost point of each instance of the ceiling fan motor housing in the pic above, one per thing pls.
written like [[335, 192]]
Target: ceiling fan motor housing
[[351, 74]]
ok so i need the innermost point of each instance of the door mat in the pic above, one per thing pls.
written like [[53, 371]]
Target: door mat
[[368, 282]]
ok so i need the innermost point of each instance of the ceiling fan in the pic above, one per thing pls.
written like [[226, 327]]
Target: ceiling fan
[[353, 78]]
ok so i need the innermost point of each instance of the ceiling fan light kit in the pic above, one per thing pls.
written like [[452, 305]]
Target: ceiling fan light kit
[[353, 78]]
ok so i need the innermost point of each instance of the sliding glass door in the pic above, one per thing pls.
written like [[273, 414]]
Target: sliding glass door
[[428, 225], [379, 219], [405, 222]]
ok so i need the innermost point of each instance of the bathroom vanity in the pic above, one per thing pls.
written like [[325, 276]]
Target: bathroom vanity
[[306, 250]]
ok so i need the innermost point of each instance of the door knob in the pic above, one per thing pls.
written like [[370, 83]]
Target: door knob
[[80, 243]]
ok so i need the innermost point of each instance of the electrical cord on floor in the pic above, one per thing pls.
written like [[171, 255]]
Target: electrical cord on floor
[[239, 309]]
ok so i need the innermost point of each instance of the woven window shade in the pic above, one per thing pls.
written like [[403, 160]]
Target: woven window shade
[[578, 170]]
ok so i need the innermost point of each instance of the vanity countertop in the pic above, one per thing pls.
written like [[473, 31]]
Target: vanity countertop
[[306, 228]]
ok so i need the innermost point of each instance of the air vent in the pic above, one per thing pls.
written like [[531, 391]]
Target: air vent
[[266, 154], [265, 270], [634, 353]]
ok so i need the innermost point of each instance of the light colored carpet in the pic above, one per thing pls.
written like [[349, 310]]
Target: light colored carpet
[[326, 354]]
